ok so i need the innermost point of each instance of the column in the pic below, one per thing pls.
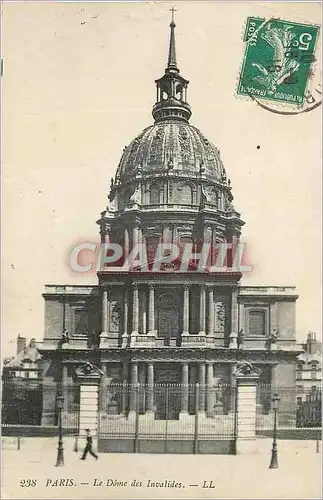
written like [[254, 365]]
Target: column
[[241, 317], [135, 234], [134, 386], [202, 387], [185, 388], [150, 388], [234, 310], [124, 399], [135, 309], [126, 243], [231, 389], [104, 312], [213, 247], [103, 389], [186, 310], [202, 310], [215, 313], [207, 235], [273, 318], [142, 388], [143, 326], [211, 312], [151, 311], [209, 389], [125, 319]]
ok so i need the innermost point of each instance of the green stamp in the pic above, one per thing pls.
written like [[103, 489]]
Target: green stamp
[[277, 60]]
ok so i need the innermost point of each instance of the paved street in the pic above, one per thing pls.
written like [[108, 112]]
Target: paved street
[[242, 476]]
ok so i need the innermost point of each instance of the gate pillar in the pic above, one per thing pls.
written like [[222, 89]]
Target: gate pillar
[[247, 377], [89, 377]]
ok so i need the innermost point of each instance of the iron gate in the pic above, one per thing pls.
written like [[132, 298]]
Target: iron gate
[[167, 418]]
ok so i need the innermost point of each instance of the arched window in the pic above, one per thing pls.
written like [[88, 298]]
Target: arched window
[[187, 195], [257, 323], [214, 197], [151, 243], [179, 92], [154, 195]]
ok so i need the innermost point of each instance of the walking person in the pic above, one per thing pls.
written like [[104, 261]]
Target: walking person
[[88, 446]]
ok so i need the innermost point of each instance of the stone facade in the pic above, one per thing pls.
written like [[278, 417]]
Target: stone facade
[[170, 326]]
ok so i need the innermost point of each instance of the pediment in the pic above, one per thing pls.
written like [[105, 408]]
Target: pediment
[[246, 370], [88, 371]]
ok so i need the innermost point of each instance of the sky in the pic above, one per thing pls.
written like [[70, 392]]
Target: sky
[[78, 86]]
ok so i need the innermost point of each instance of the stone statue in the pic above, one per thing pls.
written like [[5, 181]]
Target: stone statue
[[233, 340], [65, 338], [136, 195], [112, 206], [273, 340], [240, 339]]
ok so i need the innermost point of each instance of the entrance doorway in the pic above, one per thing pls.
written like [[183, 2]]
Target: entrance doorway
[[169, 319], [168, 392]]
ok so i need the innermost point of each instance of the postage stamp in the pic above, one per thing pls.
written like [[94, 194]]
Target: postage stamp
[[277, 60]]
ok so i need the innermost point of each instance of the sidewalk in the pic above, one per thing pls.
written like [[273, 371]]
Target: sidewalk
[[179, 476]]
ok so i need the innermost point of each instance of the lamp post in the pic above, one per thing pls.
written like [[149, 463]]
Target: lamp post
[[59, 406], [274, 460]]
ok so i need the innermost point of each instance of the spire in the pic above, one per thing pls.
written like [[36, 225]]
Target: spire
[[172, 48], [171, 100]]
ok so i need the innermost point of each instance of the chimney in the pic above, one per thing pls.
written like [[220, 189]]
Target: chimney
[[309, 343], [32, 343], [21, 343]]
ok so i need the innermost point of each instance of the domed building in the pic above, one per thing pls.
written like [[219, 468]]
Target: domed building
[[162, 325]]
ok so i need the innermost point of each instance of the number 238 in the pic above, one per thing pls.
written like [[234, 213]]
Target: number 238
[[26, 483]]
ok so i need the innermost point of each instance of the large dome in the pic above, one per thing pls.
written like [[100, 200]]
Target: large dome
[[171, 145], [170, 183]]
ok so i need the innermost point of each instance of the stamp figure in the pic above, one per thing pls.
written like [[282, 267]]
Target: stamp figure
[[277, 60]]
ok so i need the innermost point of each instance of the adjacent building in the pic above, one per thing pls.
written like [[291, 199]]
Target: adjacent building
[[25, 366], [309, 368], [22, 386]]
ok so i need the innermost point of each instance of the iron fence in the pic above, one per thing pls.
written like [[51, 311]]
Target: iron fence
[[29, 407], [162, 412]]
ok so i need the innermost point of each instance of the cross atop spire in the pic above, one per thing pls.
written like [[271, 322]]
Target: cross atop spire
[[172, 50], [172, 10]]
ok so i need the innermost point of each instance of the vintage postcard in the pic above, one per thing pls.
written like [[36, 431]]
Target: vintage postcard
[[161, 229]]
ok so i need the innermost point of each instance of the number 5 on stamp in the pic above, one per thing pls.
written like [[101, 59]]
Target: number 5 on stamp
[[277, 59]]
